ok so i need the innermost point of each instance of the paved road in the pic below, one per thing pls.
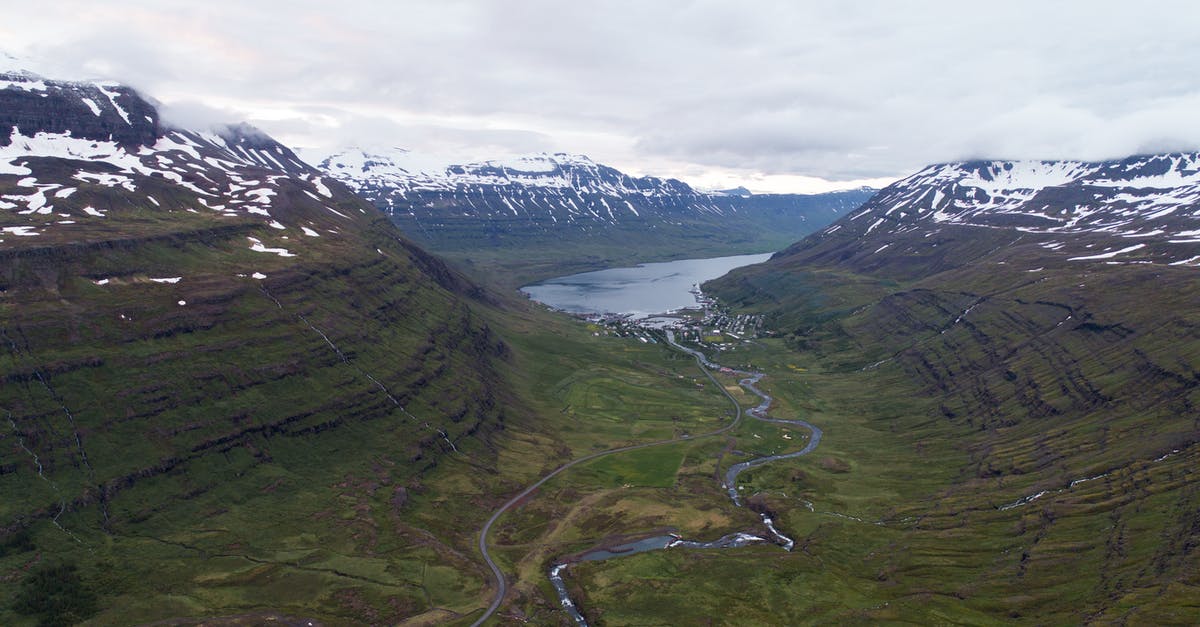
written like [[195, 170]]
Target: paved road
[[497, 574]]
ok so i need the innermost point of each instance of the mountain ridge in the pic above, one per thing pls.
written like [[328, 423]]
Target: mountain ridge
[[533, 217], [1143, 208], [389, 176]]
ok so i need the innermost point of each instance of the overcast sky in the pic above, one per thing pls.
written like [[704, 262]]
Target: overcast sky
[[776, 96]]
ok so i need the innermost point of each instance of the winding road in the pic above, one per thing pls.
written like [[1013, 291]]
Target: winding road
[[705, 366]]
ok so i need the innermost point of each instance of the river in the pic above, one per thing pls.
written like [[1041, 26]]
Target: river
[[731, 541], [640, 291]]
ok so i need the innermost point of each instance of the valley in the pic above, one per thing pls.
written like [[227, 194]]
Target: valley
[[523, 219], [236, 388], [231, 387]]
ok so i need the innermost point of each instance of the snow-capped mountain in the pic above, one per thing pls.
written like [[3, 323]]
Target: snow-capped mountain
[[568, 176], [523, 200], [1143, 209], [75, 152]]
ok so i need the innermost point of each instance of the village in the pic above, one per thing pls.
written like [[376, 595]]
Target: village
[[707, 326]]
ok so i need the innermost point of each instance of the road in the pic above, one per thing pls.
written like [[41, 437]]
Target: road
[[502, 586], [497, 574]]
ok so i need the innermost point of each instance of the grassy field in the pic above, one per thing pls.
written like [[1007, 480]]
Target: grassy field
[[859, 472], [887, 526]]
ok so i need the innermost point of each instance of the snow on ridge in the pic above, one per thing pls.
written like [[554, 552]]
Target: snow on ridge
[[235, 173], [523, 164], [1142, 188], [401, 171], [1152, 198], [1170, 179], [23, 82], [203, 164]]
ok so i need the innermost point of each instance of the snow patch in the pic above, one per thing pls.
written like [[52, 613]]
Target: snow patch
[[112, 97], [92, 105], [1108, 255], [321, 188], [258, 247], [107, 180]]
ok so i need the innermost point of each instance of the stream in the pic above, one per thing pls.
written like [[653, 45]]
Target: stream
[[733, 540]]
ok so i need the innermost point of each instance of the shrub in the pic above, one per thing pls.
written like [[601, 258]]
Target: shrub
[[56, 595]]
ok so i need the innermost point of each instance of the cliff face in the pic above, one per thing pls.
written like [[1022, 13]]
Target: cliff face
[[97, 111]]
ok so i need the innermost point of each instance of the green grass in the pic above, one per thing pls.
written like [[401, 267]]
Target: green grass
[[897, 513], [235, 462], [653, 468]]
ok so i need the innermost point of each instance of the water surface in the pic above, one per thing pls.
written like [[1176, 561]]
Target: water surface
[[641, 291]]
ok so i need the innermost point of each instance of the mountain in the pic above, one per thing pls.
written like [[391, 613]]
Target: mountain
[[232, 392], [567, 208], [1143, 208], [219, 367], [1028, 331], [736, 191]]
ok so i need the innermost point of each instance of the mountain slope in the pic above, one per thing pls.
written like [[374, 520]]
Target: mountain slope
[[217, 365], [232, 393], [1144, 209], [568, 208], [1041, 316]]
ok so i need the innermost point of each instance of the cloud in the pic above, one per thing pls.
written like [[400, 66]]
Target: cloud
[[770, 89], [189, 114]]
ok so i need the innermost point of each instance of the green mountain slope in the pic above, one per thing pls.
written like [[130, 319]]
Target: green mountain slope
[[1067, 384], [211, 359]]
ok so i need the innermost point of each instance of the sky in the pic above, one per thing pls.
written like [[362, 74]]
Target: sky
[[787, 96]]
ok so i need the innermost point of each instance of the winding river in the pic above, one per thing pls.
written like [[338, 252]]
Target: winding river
[[733, 540]]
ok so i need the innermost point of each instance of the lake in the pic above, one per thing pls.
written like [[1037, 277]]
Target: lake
[[641, 291]]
